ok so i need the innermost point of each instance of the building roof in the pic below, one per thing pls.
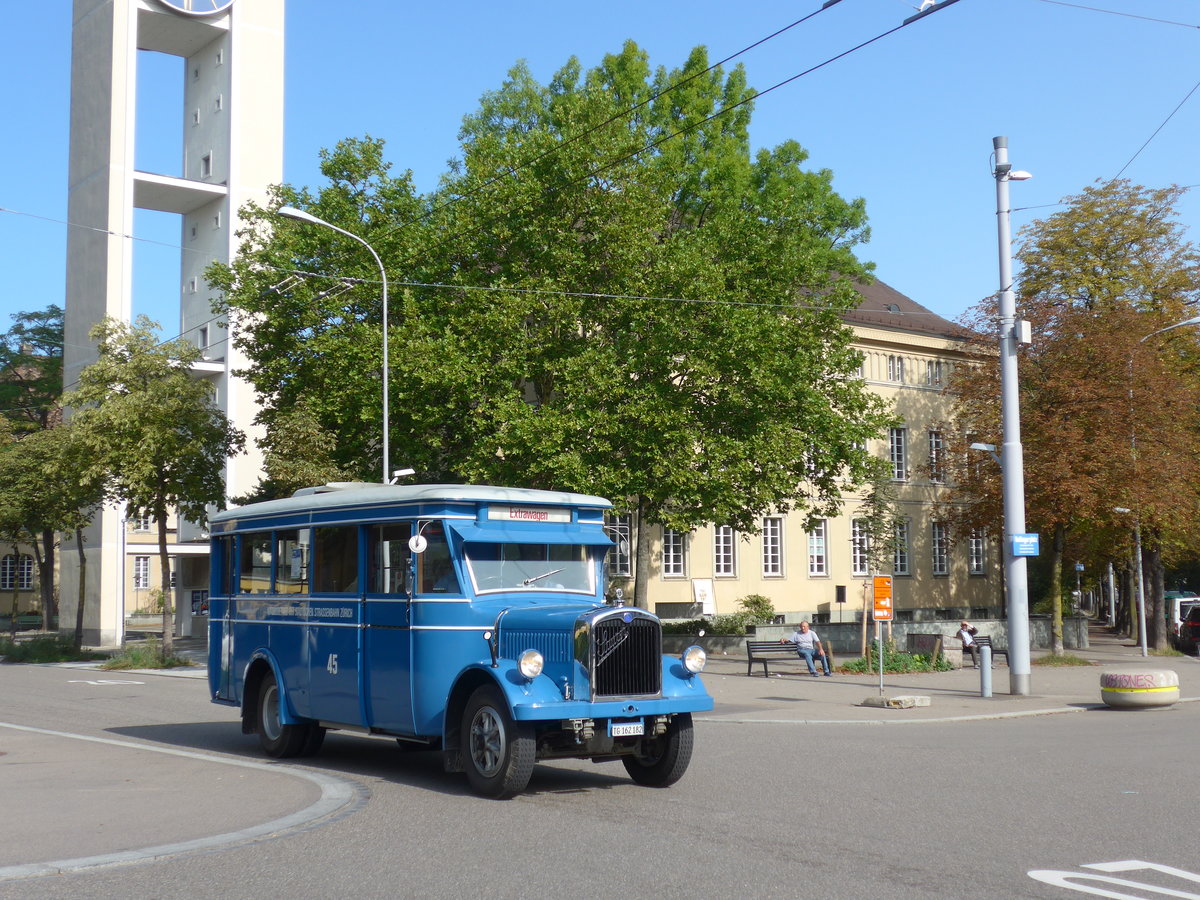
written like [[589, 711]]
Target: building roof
[[884, 306]]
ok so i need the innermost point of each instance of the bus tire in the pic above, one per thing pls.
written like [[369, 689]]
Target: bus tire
[[497, 753], [277, 739], [663, 760]]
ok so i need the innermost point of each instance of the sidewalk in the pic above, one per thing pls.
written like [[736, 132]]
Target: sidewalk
[[793, 696], [790, 695]]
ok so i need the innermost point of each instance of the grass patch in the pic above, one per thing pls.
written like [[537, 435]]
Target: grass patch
[[45, 650], [895, 662], [144, 656], [1063, 659], [1167, 651]]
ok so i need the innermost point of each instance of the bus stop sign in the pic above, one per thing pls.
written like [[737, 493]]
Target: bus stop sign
[[883, 597]]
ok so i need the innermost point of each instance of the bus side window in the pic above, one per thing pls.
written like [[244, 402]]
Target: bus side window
[[387, 556], [435, 571], [335, 560], [291, 561], [255, 564]]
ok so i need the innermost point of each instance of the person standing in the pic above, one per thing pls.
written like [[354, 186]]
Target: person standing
[[966, 634], [808, 646]]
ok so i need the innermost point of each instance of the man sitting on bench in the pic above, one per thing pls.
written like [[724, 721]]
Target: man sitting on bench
[[808, 645], [966, 634]]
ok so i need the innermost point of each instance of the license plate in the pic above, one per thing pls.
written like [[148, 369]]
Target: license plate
[[627, 729]]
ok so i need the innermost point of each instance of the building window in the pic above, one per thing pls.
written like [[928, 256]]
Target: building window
[[937, 457], [933, 373], [941, 548], [219, 103], [900, 554], [724, 552], [141, 572], [772, 547], [860, 548], [818, 561], [16, 571], [620, 557], [898, 451], [216, 221], [206, 166], [977, 558], [896, 369], [195, 117], [220, 57], [141, 523], [674, 562], [202, 340]]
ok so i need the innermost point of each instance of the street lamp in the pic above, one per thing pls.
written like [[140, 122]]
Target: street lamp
[[291, 212], [1137, 521], [1012, 464]]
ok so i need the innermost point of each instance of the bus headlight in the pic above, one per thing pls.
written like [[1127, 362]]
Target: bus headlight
[[694, 659], [530, 664]]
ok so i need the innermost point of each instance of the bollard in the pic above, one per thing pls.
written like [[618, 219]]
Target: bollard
[[985, 671]]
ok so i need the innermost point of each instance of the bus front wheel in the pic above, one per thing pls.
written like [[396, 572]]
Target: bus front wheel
[[497, 753], [277, 739], [663, 760]]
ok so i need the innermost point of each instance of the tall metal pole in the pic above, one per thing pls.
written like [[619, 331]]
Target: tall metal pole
[[1141, 585], [1011, 453], [292, 212]]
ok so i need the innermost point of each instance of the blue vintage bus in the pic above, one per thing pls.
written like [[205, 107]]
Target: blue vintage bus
[[466, 619]]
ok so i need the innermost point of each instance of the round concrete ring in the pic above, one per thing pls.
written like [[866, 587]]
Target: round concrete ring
[[1139, 688]]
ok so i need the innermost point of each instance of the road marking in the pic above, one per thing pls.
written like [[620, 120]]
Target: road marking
[[103, 681], [339, 797], [1089, 882]]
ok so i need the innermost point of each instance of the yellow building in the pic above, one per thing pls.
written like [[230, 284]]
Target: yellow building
[[822, 574]]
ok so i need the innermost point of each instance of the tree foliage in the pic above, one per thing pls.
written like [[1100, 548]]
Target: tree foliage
[[31, 369], [151, 432], [623, 303], [1109, 414]]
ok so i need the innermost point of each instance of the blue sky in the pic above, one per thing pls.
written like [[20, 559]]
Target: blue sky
[[905, 123]]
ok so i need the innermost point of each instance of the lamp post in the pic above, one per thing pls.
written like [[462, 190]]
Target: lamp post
[[1012, 464], [1137, 521], [291, 212]]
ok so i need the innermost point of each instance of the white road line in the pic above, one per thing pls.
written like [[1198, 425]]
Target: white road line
[[338, 795]]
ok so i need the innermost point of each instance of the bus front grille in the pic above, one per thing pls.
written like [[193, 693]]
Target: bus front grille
[[627, 657]]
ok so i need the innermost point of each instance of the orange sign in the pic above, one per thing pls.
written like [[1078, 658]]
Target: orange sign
[[883, 597]]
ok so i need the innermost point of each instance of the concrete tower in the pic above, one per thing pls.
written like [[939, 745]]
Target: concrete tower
[[232, 124]]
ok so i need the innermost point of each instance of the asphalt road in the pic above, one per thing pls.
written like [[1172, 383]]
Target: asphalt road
[[90, 771]]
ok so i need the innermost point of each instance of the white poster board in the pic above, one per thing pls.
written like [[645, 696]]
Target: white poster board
[[702, 596]]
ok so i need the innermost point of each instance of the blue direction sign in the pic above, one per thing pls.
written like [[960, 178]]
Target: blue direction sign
[[1024, 545]]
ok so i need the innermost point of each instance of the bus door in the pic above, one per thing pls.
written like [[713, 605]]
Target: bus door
[[388, 638], [334, 616]]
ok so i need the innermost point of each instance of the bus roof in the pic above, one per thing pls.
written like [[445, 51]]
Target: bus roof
[[350, 494]]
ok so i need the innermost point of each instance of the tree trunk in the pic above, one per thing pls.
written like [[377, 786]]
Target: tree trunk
[[46, 576], [641, 560], [1056, 585], [12, 622], [1156, 621], [168, 596], [81, 593], [866, 606]]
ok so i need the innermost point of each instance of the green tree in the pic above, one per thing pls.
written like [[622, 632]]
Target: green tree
[[1107, 419], [633, 305], [31, 369], [150, 430]]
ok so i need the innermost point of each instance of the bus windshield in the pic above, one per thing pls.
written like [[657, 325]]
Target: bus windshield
[[530, 567]]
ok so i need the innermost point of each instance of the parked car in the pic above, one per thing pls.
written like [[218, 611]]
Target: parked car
[[1175, 608], [1189, 630]]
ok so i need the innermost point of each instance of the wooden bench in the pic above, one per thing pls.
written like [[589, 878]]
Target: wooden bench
[[982, 640], [761, 651]]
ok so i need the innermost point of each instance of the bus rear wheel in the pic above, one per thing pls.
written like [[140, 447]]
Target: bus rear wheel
[[276, 738], [663, 761], [498, 754]]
